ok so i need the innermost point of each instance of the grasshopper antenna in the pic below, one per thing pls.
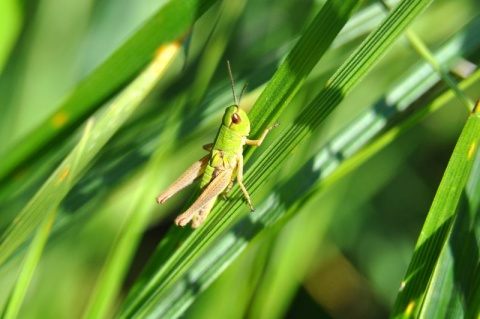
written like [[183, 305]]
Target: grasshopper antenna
[[237, 101], [243, 91], [233, 83]]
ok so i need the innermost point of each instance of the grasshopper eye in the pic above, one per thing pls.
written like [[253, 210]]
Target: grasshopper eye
[[236, 119]]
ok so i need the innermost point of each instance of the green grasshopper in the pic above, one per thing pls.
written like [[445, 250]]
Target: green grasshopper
[[218, 168]]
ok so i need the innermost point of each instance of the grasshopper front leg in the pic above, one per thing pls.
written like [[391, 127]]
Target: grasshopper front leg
[[240, 162], [262, 137]]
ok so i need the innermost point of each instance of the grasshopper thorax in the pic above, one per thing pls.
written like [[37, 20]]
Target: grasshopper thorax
[[236, 120]]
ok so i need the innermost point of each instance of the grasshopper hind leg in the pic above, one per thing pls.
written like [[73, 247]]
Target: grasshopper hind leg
[[203, 213], [204, 203], [193, 173], [197, 217]]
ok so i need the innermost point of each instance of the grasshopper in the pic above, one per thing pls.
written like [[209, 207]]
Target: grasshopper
[[217, 169]]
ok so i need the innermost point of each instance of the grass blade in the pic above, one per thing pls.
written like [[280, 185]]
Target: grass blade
[[140, 302], [28, 267], [67, 174], [151, 297], [169, 23], [129, 236], [422, 273]]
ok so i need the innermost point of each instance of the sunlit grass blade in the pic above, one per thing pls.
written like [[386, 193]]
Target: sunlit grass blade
[[297, 65], [141, 302], [129, 236], [337, 210], [145, 299], [422, 49], [229, 13], [454, 290], [28, 267], [10, 29], [169, 23], [289, 197], [40, 238], [100, 130], [424, 273], [340, 84]]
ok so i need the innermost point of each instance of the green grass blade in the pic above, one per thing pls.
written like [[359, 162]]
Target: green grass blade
[[37, 245], [169, 23], [462, 293], [97, 133], [373, 48], [353, 70], [300, 61], [129, 236], [285, 200], [147, 296], [9, 29], [453, 291], [140, 303], [415, 291], [28, 267], [356, 178], [423, 50]]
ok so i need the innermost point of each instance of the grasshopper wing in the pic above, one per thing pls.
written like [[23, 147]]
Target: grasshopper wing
[[206, 198], [191, 174]]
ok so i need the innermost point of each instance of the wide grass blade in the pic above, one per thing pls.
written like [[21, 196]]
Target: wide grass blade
[[137, 216], [28, 267], [426, 272], [172, 21], [340, 196], [98, 132], [153, 294], [141, 301]]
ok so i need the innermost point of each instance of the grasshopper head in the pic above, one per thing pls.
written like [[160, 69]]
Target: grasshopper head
[[237, 120]]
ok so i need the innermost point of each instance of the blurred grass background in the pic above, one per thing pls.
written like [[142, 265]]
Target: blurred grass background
[[342, 255]]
